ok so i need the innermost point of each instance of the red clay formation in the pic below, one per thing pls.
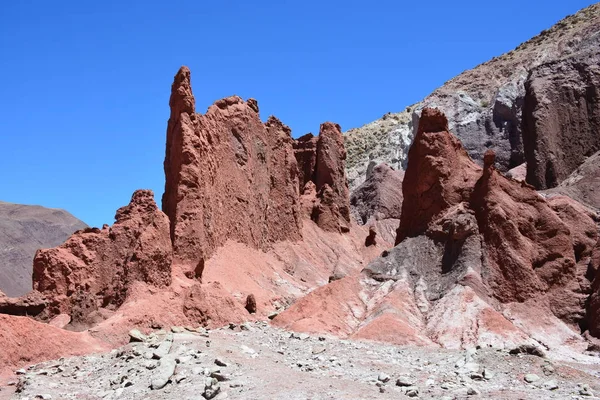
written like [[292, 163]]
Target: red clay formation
[[440, 175], [94, 268], [472, 240], [321, 161], [228, 177]]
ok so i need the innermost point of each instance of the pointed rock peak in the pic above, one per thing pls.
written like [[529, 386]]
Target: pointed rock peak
[[142, 202], [432, 120], [330, 129], [182, 100], [489, 160], [253, 104], [274, 122]]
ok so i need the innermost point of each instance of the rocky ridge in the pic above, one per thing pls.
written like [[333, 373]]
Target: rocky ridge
[[473, 240], [484, 105]]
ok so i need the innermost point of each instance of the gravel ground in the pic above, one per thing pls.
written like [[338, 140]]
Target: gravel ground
[[256, 361]]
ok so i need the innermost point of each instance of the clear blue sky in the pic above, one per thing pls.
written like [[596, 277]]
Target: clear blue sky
[[84, 85]]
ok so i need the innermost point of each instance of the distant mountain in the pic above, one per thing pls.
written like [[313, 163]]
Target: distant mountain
[[23, 230], [483, 105]]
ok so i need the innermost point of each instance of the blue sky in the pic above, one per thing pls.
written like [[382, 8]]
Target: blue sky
[[85, 84]]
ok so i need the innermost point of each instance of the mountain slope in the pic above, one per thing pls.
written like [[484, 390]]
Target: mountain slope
[[483, 104], [23, 230]]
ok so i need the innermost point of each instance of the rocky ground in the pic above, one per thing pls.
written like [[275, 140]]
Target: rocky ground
[[257, 361]]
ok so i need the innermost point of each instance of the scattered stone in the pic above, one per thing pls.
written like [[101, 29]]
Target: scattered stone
[[471, 391], [405, 381], [177, 329], [550, 385], [412, 392], [273, 315], [528, 349], [251, 304], [211, 388], [548, 369], [163, 373], [164, 348], [476, 376], [20, 372], [585, 390], [487, 374], [530, 378], [383, 377], [318, 349], [221, 363]]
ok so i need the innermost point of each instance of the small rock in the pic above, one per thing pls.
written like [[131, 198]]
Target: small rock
[[548, 369], [471, 391], [164, 348], [221, 363], [487, 374], [44, 397], [177, 329], [585, 390], [528, 349], [550, 385], [318, 349], [219, 376], [183, 359], [412, 392], [20, 372], [383, 377], [530, 378], [405, 381], [180, 378], [273, 315], [211, 388], [163, 373], [476, 376], [251, 304], [136, 336]]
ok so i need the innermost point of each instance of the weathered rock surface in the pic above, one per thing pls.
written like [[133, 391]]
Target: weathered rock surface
[[228, 177], [476, 252], [379, 197], [24, 230], [483, 105], [31, 304], [561, 117], [95, 267], [583, 184], [323, 183]]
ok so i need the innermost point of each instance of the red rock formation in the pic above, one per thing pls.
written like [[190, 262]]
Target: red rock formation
[[379, 196], [561, 117], [322, 166], [530, 245], [305, 150], [31, 304], [440, 174], [94, 268], [228, 177], [470, 240]]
